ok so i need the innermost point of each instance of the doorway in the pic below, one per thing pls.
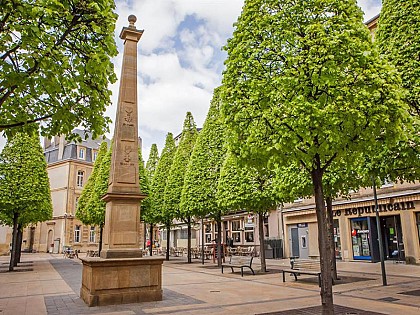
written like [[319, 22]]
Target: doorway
[[393, 238], [299, 241]]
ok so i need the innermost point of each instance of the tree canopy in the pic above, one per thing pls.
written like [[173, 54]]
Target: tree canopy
[[85, 203], [176, 176], [152, 162], [24, 183], [55, 65], [304, 85], [202, 175], [160, 212]]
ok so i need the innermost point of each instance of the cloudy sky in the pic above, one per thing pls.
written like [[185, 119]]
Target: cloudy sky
[[180, 59]]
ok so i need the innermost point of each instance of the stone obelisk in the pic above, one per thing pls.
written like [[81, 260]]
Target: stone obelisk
[[120, 275], [121, 230]]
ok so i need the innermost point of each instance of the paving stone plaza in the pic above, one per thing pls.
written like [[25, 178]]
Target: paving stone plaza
[[50, 284]]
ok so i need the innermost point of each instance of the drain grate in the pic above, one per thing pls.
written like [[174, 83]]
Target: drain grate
[[413, 293], [388, 299]]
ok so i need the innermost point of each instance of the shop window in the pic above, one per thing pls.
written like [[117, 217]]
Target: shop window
[[208, 235], [92, 234], [236, 236], [249, 237], [208, 238], [418, 224], [236, 225], [337, 239], [80, 178], [360, 238], [77, 229]]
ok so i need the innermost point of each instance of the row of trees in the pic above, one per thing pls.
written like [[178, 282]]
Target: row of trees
[[307, 92]]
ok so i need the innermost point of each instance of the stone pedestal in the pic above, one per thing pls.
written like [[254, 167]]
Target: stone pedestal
[[121, 280]]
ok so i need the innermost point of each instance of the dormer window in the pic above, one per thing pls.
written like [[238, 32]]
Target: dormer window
[[82, 153], [95, 155]]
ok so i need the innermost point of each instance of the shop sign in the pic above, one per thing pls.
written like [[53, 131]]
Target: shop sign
[[359, 211]]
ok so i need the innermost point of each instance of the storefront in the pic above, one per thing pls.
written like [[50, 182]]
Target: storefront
[[356, 229]]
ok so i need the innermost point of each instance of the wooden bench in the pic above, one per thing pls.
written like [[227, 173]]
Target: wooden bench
[[239, 262], [304, 267]]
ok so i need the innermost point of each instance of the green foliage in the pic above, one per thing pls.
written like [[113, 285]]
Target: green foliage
[[243, 187], [55, 65], [398, 38], [160, 179], [311, 89], [96, 207], [201, 179], [176, 177], [24, 183], [84, 205], [144, 188], [152, 162]]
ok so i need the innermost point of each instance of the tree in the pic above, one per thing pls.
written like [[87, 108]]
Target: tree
[[90, 208], [304, 85], [200, 183], [152, 162], [160, 211], [145, 189], [243, 187], [55, 65], [176, 176], [25, 195]]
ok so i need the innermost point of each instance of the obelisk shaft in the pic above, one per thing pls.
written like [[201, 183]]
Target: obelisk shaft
[[122, 219]]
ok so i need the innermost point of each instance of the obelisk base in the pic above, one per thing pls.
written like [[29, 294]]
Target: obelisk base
[[121, 280]]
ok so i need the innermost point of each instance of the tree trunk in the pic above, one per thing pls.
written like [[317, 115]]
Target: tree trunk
[[101, 230], [202, 241], [261, 236], [14, 242], [168, 237], [18, 245], [189, 239], [219, 241], [151, 239], [331, 234], [323, 242]]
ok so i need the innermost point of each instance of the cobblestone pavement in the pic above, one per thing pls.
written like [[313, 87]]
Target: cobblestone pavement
[[54, 284]]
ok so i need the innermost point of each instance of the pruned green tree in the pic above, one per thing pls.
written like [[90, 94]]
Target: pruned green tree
[[89, 201], [25, 195], [199, 194], [152, 162], [86, 195], [304, 85], [176, 177], [243, 187], [145, 189], [55, 65], [160, 211]]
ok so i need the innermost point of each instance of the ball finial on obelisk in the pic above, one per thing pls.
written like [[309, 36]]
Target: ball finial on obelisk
[[132, 19]]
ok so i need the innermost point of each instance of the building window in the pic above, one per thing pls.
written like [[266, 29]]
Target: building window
[[236, 231], [208, 231], [163, 233], [92, 234], [82, 154], [249, 236], [95, 155], [80, 176], [77, 234], [360, 238], [337, 239]]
